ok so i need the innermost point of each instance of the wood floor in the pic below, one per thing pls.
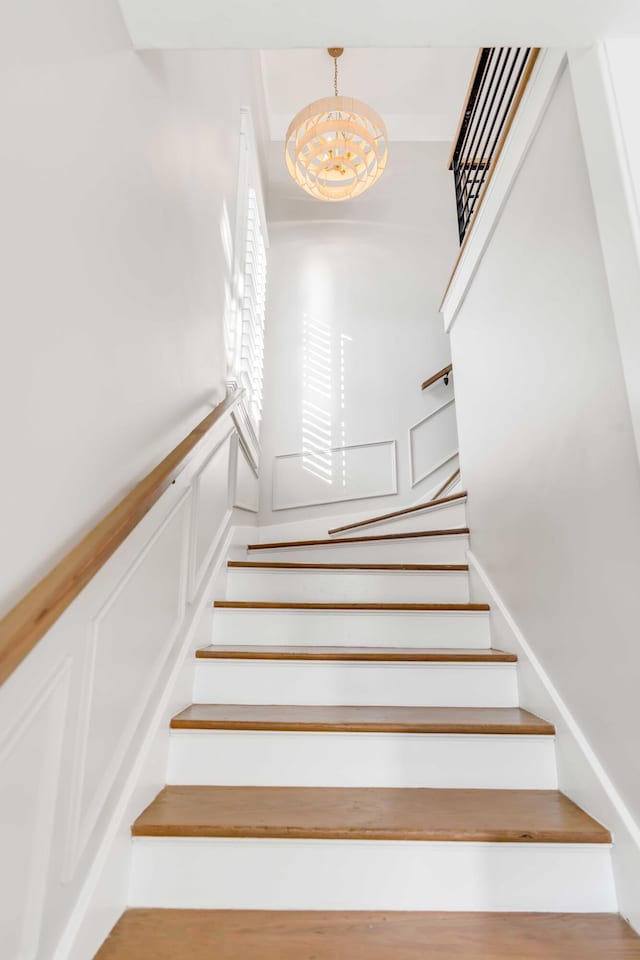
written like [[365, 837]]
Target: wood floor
[[284, 565], [354, 719], [273, 935], [399, 607], [354, 654], [347, 813]]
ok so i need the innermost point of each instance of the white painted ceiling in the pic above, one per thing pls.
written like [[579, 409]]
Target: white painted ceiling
[[417, 91], [277, 24]]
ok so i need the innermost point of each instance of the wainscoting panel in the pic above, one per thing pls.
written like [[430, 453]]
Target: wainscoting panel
[[29, 774], [318, 476], [211, 507], [433, 441], [129, 640], [247, 484], [78, 716]]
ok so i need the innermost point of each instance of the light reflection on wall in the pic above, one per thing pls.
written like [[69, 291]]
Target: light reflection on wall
[[316, 398], [344, 338], [230, 301]]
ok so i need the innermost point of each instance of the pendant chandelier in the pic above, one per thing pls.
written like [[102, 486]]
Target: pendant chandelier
[[336, 148]]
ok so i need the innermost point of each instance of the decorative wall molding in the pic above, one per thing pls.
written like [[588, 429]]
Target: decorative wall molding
[[537, 95], [247, 436], [86, 925], [438, 433], [135, 597], [245, 480], [27, 845], [356, 471], [210, 509], [83, 750]]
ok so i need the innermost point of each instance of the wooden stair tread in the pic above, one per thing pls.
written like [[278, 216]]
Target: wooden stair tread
[[308, 605], [288, 565], [453, 532], [441, 501], [361, 719], [148, 934], [349, 813], [375, 654]]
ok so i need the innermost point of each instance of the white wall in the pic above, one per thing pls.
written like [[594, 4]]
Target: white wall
[[605, 80], [547, 453], [623, 57], [118, 172], [352, 331], [84, 719], [212, 23], [118, 175]]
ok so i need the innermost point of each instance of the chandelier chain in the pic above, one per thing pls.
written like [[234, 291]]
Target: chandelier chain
[[335, 76]]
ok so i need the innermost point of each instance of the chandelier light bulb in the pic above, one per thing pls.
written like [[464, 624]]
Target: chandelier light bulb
[[336, 148]]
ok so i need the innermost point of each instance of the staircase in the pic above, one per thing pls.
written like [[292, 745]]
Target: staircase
[[355, 744]]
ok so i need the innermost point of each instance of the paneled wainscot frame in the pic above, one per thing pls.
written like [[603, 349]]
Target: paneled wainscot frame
[[357, 471], [83, 753], [434, 433]]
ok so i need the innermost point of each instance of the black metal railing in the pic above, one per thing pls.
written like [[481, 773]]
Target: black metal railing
[[498, 74]]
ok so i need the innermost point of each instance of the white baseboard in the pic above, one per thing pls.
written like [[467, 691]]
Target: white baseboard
[[581, 775]]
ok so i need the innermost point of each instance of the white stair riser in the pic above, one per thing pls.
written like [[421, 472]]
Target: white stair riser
[[419, 550], [354, 628], [345, 586], [249, 874], [283, 758], [382, 684], [436, 518]]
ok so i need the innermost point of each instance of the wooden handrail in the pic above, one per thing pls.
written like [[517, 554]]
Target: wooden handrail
[[524, 80], [39, 609], [447, 483], [437, 376]]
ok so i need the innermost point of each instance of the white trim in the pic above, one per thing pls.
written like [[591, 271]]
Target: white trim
[[50, 700], [546, 73], [412, 477], [114, 826], [338, 499], [615, 203], [415, 481], [564, 711], [196, 573], [81, 823], [239, 450], [246, 436], [254, 172]]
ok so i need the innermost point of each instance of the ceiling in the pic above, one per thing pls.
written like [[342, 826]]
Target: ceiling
[[417, 91], [278, 24]]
